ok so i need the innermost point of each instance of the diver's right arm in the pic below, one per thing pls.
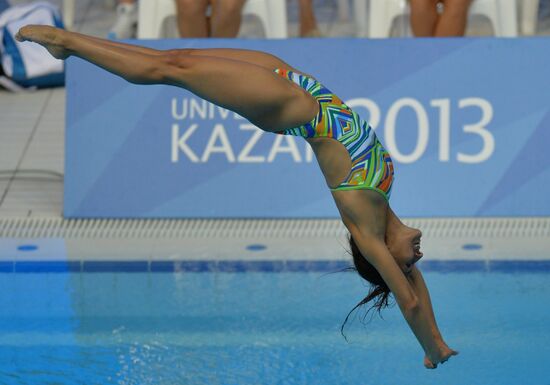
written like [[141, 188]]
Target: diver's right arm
[[412, 309]]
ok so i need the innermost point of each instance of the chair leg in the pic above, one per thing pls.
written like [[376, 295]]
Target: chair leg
[[278, 17], [360, 15], [508, 18], [68, 13], [529, 16]]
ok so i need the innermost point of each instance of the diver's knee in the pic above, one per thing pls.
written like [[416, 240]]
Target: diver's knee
[[174, 64]]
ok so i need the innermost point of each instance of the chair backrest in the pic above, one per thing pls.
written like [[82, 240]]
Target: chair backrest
[[501, 13]]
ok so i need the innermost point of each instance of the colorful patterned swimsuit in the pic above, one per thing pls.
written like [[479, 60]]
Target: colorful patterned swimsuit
[[371, 165]]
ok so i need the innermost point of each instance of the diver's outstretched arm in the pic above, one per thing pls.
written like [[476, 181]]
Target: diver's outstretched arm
[[419, 286], [254, 92], [411, 306]]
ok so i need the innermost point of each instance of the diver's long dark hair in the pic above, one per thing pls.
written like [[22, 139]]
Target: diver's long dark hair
[[379, 291]]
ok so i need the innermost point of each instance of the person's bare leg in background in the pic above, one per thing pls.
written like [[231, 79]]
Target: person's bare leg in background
[[192, 21], [226, 18], [308, 22], [427, 22]]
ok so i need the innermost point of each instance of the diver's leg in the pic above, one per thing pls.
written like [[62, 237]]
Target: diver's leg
[[264, 98], [260, 58]]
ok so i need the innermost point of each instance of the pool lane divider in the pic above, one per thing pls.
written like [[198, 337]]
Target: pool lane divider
[[272, 266]]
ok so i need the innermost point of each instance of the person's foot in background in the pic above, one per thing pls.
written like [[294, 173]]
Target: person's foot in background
[[125, 26]]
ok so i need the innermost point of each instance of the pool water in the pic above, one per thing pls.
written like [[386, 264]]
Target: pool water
[[264, 328]]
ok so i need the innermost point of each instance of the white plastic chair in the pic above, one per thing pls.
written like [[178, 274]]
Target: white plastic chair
[[381, 13], [503, 15], [272, 14]]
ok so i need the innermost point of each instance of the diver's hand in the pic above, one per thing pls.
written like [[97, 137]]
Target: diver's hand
[[441, 355]]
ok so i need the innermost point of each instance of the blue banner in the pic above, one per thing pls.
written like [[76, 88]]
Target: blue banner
[[467, 122]]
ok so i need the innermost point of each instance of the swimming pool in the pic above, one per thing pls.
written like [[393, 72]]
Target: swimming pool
[[264, 323]]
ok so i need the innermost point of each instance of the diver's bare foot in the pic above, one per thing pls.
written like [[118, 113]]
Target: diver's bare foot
[[53, 39]]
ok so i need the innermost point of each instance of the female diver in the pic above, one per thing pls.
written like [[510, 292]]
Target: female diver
[[280, 99]]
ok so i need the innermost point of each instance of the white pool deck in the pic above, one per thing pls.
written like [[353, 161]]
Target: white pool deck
[[31, 187]]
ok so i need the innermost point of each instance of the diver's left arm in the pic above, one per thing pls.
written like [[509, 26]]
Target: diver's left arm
[[419, 286], [421, 290]]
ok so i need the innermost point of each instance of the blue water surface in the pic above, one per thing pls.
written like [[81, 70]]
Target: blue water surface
[[264, 328]]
